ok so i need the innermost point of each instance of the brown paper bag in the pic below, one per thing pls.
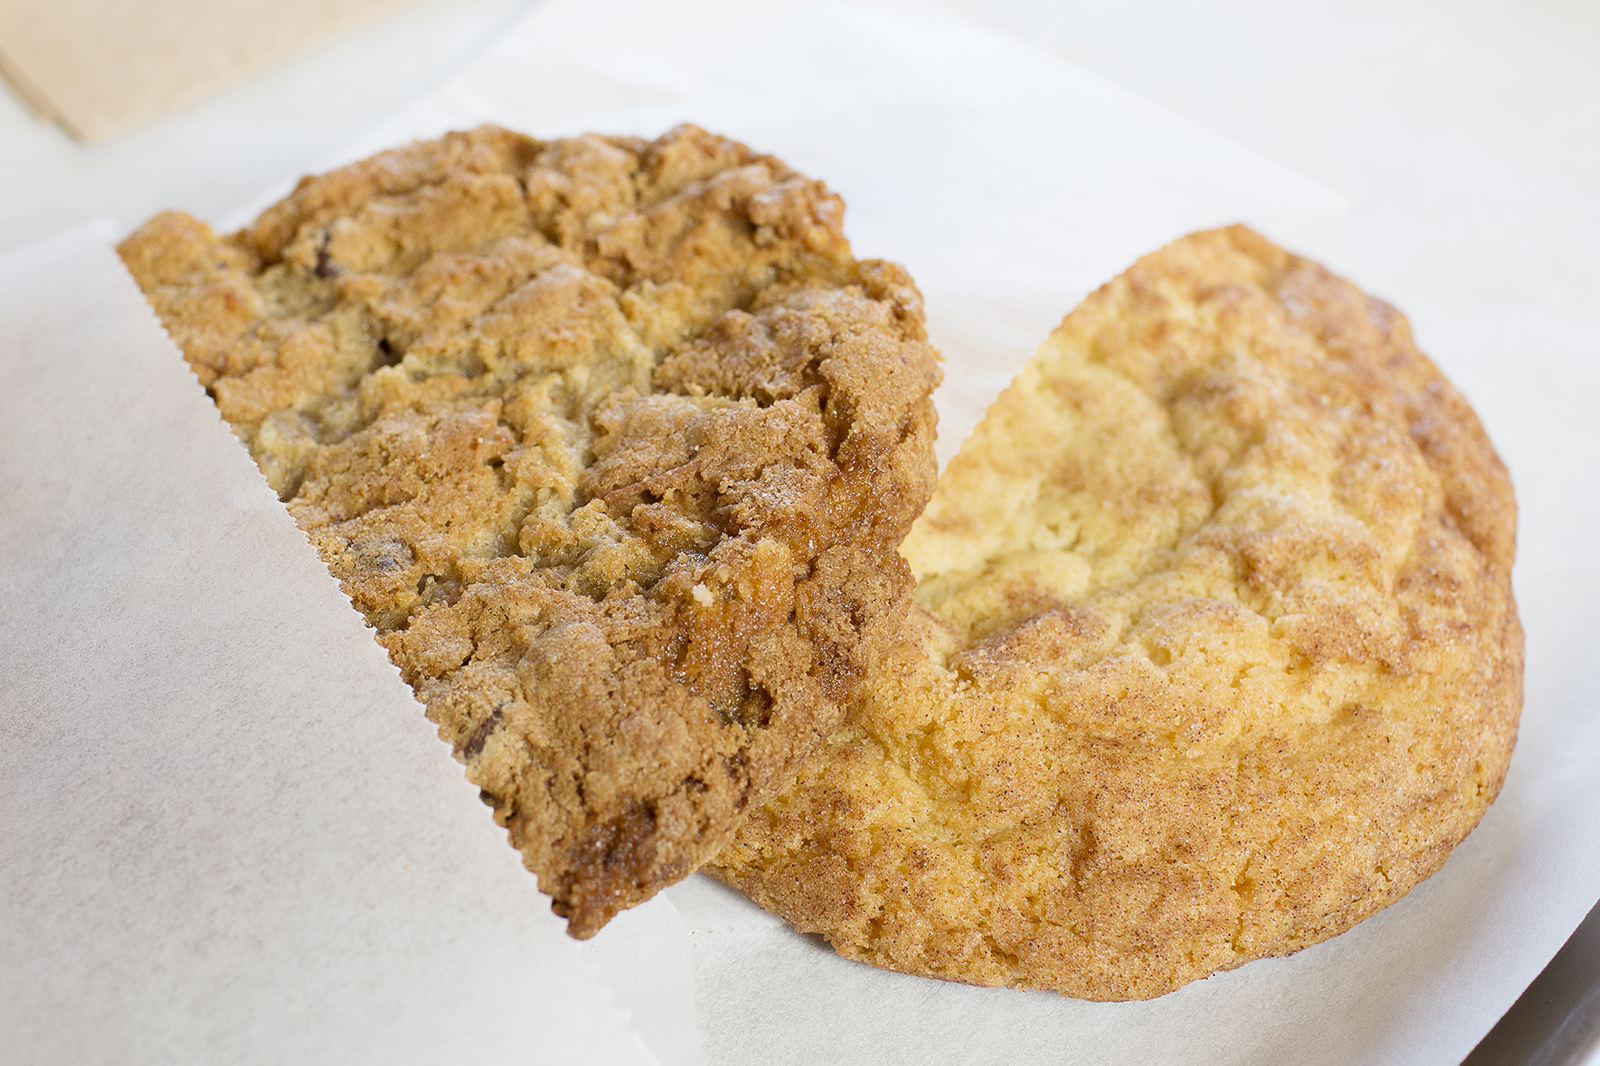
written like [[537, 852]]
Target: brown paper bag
[[99, 67]]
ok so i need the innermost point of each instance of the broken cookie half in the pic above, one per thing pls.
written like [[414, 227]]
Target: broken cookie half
[[1214, 653], [611, 440]]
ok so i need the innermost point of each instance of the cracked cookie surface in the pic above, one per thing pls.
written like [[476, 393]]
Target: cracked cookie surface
[[611, 440], [1214, 653]]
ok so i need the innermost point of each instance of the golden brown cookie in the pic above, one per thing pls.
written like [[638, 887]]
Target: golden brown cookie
[[1214, 652], [611, 440]]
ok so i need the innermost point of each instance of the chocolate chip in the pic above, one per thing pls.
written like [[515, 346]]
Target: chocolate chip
[[480, 735]]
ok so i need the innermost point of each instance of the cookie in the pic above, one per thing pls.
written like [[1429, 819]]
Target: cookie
[[1214, 652], [611, 441]]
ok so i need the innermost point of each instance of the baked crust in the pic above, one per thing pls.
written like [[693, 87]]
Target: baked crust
[[1214, 654], [611, 440]]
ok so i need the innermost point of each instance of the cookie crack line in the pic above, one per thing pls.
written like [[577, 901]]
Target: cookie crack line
[[611, 441], [1267, 683]]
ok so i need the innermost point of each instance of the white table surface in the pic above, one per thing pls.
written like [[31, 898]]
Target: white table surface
[[1465, 135]]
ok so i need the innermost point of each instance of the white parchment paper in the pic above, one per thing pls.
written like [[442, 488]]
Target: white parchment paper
[[1010, 185]]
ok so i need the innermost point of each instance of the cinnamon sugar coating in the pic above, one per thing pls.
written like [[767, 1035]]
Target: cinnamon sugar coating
[[612, 442], [1214, 653]]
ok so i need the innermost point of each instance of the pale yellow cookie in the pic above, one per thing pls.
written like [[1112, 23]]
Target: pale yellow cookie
[[1215, 652], [611, 440]]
